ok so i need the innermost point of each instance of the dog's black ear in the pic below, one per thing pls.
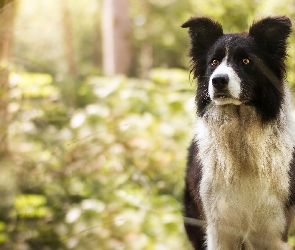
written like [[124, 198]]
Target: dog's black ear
[[203, 32], [271, 33]]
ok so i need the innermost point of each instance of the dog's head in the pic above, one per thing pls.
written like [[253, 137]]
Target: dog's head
[[239, 68]]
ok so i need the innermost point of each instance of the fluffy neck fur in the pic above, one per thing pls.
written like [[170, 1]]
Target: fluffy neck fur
[[233, 142]]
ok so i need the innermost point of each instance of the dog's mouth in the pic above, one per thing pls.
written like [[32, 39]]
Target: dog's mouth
[[221, 96], [225, 99]]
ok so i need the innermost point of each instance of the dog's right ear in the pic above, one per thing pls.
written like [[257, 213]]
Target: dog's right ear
[[203, 32]]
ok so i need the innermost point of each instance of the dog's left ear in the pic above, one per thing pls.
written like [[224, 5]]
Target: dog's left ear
[[203, 32], [271, 33]]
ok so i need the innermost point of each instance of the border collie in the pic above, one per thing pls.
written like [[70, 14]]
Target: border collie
[[240, 175]]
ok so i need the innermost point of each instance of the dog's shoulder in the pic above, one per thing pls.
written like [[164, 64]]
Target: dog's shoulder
[[291, 202], [193, 174]]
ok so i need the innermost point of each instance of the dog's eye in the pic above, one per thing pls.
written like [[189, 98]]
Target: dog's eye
[[245, 61], [214, 62]]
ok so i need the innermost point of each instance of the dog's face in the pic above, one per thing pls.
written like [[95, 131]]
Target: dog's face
[[241, 68], [228, 69]]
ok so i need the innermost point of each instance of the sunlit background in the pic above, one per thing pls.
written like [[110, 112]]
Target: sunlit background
[[96, 113]]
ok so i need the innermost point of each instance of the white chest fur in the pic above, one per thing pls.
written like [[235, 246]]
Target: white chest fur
[[245, 180]]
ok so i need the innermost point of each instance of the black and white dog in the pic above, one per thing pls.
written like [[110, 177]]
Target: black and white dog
[[241, 165]]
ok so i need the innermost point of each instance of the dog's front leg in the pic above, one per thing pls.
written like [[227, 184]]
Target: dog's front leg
[[221, 238]]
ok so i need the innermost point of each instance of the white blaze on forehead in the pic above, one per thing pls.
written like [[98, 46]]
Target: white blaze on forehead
[[234, 85]]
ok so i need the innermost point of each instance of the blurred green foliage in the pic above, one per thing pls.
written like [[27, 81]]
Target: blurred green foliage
[[108, 175]]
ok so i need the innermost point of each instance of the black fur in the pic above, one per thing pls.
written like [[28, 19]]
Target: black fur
[[192, 200]]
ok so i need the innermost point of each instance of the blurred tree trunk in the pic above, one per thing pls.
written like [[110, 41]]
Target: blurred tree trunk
[[146, 60], [97, 53], [97, 45], [67, 39], [7, 15], [116, 37]]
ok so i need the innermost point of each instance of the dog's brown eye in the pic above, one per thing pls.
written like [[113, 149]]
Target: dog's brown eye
[[245, 61], [214, 62]]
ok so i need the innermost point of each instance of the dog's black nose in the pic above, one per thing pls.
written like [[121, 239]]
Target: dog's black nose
[[220, 81]]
